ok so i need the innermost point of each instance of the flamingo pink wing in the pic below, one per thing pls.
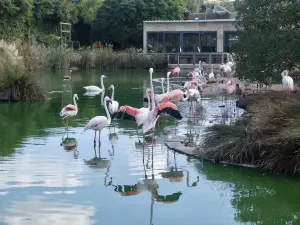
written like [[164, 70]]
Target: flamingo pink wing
[[70, 107]]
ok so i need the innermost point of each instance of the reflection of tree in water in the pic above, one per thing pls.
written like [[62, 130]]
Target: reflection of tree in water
[[258, 199]]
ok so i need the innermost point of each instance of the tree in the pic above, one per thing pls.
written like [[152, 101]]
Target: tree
[[269, 34], [194, 5], [15, 17], [121, 21]]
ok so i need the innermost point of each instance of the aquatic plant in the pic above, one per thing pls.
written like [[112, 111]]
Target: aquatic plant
[[269, 138], [15, 85]]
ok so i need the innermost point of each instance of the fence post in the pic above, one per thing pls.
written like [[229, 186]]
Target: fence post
[[177, 59], [209, 58]]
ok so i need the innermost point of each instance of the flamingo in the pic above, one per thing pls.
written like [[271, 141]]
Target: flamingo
[[288, 82], [69, 110], [176, 72], [93, 88], [231, 89], [211, 76], [227, 69], [162, 85], [113, 105], [99, 122], [148, 117], [158, 98]]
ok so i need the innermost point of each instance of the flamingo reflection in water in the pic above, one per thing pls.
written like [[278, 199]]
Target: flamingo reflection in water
[[70, 145], [147, 184], [98, 162], [175, 175]]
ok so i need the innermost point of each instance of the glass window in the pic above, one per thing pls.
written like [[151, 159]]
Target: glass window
[[208, 42], [172, 42], [230, 39], [190, 42], [155, 42]]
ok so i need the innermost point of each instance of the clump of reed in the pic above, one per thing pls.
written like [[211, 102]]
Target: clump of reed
[[107, 58], [269, 139], [15, 85]]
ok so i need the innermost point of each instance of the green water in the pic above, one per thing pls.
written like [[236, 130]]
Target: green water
[[43, 181]]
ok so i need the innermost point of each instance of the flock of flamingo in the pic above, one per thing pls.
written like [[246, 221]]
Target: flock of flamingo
[[166, 102]]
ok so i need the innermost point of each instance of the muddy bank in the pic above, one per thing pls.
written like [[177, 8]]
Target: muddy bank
[[267, 137]]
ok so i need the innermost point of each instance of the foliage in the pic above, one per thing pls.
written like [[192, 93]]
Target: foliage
[[268, 139], [15, 16], [14, 84], [85, 10], [121, 21], [269, 36], [107, 58], [194, 5]]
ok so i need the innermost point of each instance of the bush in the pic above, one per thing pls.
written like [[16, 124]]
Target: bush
[[269, 139], [14, 84]]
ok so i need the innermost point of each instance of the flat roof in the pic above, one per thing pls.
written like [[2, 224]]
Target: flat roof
[[190, 21]]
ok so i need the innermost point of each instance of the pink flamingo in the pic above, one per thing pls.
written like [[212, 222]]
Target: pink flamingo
[[231, 89], [176, 71], [69, 111], [99, 122], [148, 119]]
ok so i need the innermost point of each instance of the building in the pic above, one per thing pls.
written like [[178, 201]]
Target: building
[[210, 33]]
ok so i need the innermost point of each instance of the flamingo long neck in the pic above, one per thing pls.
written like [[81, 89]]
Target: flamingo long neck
[[102, 85], [162, 86], [107, 113], [168, 82], [113, 92], [148, 101], [152, 92], [75, 103]]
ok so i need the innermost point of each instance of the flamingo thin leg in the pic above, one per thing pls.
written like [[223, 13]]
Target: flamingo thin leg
[[99, 138], [95, 138]]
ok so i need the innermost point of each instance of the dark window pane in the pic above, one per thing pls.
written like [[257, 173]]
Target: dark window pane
[[172, 42], [190, 42], [208, 42], [230, 39], [155, 42]]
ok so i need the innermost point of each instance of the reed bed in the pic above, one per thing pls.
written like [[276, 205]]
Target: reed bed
[[40, 57], [15, 84], [269, 138]]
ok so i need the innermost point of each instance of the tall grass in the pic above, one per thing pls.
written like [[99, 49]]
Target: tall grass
[[40, 57], [269, 139], [107, 58], [15, 85]]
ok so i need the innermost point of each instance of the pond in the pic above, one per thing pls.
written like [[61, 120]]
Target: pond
[[44, 180]]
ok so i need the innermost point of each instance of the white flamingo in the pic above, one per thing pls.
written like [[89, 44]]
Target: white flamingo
[[69, 110], [162, 85], [113, 106], [288, 82], [94, 88], [99, 122], [211, 76]]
